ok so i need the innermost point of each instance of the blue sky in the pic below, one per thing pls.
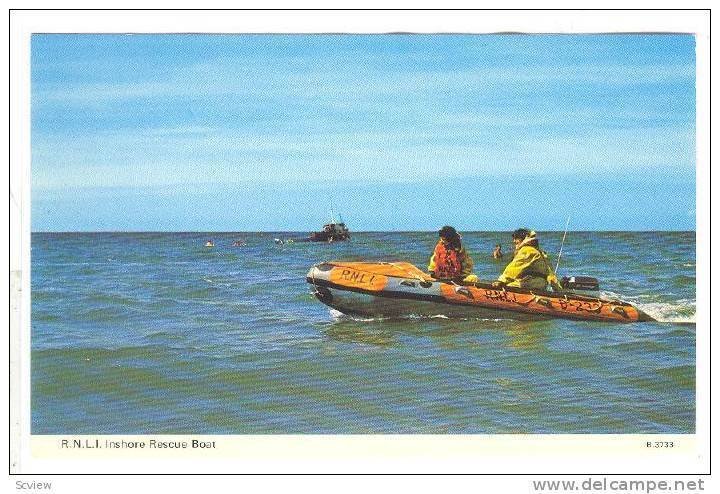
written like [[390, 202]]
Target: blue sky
[[397, 132]]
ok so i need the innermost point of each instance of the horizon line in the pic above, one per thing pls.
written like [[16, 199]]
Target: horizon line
[[356, 231]]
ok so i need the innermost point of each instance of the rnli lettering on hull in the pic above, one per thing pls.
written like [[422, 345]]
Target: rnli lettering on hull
[[355, 277], [358, 279]]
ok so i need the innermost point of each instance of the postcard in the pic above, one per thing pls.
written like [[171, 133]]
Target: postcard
[[451, 243]]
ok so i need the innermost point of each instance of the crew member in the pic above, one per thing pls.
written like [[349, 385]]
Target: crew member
[[497, 253], [450, 260], [529, 268]]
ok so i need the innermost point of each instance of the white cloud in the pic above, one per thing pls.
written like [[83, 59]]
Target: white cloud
[[350, 81], [196, 155]]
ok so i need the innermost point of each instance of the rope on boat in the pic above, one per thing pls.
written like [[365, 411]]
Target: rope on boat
[[312, 277]]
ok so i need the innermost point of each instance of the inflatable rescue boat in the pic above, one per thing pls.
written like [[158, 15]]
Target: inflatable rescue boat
[[400, 289]]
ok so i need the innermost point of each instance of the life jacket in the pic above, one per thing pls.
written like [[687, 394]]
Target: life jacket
[[448, 262]]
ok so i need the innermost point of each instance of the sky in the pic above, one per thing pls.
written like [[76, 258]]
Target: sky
[[394, 132]]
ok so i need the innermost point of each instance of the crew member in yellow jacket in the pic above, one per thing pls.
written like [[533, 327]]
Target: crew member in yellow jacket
[[450, 260], [529, 268]]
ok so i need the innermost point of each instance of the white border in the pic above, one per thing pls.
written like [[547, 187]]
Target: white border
[[24, 23]]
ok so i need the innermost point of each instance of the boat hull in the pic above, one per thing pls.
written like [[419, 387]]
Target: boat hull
[[400, 289], [366, 305]]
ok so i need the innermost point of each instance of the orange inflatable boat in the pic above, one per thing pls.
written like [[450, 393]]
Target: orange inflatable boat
[[401, 289]]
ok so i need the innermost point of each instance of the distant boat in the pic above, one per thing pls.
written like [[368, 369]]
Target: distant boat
[[209, 243], [332, 232]]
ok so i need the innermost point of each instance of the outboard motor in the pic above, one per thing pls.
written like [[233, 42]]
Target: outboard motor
[[585, 283]]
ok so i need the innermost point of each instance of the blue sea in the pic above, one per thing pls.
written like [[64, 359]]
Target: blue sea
[[144, 333]]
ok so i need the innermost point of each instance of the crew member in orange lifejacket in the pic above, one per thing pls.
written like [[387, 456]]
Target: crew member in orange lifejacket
[[450, 260]]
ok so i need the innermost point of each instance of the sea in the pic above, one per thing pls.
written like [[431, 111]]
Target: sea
[[154, 333]]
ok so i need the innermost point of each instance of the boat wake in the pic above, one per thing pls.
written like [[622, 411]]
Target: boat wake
[[340, 316], [680, 311]]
